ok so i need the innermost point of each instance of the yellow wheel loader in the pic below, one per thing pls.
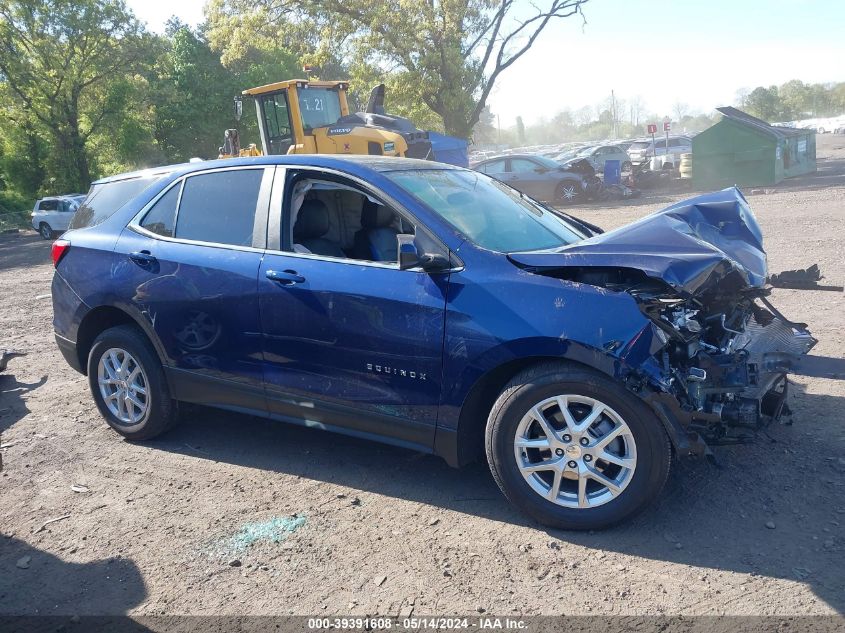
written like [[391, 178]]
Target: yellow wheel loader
[[302, 116]]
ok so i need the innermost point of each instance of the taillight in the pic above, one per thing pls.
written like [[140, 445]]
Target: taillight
[[60, 248]]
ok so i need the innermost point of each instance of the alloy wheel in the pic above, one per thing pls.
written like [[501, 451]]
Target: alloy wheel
[[568, 192], [575, 451], [123, 386]]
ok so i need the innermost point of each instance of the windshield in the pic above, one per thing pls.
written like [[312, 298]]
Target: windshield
[[319, 107], [489, 213]]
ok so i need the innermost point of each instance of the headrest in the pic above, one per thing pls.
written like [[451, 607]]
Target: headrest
[[375, 215], [312, 221]]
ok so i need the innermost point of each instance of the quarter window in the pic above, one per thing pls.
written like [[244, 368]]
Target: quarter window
[[161, 218], [219, 207], [49, 205]]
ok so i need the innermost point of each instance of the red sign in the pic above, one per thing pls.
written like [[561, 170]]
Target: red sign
[[667, 126], [652, 128]]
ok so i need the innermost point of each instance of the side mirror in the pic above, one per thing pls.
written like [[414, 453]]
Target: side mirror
[[410, 257], [239, 107]]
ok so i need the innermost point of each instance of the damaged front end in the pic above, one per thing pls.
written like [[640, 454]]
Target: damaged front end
[[715, 362], [698, 271]]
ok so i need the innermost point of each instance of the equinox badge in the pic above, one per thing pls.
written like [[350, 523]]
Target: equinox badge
[[395, 371]]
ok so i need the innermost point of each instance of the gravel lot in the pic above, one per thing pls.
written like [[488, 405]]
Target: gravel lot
[[323, 524]]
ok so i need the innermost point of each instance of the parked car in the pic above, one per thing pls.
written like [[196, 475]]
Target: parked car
[[431, 307], [51, 216], [644, 151], [597, 155], [569, 153], [536, 176]]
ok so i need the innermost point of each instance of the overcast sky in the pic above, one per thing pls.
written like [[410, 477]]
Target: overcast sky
[[699, 52]]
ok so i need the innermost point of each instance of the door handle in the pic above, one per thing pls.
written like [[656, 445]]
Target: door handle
[[285, 277], [142, 258]]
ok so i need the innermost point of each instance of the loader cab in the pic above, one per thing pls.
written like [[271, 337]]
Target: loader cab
[[288, 112]]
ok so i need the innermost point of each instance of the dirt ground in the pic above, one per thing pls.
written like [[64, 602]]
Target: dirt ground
[[231, 514]]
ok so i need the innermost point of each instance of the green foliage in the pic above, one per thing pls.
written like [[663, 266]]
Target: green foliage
[[441, 56], [59, 60], [85, 91], [795, 100], [14, 210], [191, 98]]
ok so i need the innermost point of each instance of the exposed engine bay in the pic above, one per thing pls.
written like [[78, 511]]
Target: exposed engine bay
[[716, 357], [721, 351]]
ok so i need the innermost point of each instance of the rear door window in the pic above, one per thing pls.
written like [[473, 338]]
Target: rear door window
[[493, 167], [219, 207], [523, 165]]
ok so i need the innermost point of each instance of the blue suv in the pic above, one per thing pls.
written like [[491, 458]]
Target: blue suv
[[431, 307]]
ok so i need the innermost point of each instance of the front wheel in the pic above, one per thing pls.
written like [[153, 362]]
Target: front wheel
[[568, 192], [574, 449], [128, 384]]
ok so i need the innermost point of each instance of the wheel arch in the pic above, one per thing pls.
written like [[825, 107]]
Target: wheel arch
[[101, 319], [468, 441]]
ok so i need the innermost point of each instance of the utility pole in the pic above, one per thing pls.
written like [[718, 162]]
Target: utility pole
[[613, 130]]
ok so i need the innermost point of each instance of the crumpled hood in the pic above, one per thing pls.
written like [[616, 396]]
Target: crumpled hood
[[692, 245]]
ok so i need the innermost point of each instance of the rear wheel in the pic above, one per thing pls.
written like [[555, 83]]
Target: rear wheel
[[128, 384], [46, 231], [575, 450], [568, 192]]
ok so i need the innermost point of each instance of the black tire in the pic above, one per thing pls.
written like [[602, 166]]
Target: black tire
[[653, 450], [569, 192], [46, 231], [161, 410], [626, 166]]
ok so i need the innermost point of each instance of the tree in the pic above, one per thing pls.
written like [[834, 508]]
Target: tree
[[63, 61], [22, 149], [451, 53], [763, 103], [520, 130], [680, 110], [191, 94], [485, 131], [637, 106]]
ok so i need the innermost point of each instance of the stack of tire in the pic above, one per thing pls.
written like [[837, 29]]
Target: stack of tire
[[685, 166]]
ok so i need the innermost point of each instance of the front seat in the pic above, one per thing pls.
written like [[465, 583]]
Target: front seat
[[376, 241], [312, 223]]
